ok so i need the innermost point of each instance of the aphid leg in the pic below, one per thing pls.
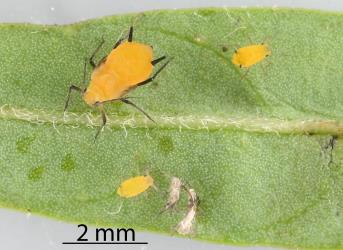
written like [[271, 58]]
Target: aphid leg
[[118, 43], [245, 74], [264, 69], [84, 71], [134, 105], [104, 119], [71, 88], [130, 34], [91, 59], [154, 76], [156, 61]]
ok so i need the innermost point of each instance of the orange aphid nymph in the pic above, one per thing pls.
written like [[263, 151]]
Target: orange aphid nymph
[[127, 66]]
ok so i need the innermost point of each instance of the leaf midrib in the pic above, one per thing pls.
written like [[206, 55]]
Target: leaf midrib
[[188, 122]]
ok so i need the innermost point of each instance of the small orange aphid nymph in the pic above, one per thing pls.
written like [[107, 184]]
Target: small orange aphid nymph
[[248, 56], [135, 186], [128, 66]]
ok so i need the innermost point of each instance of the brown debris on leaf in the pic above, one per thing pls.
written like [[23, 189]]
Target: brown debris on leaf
[[186, 225], [174, 193]]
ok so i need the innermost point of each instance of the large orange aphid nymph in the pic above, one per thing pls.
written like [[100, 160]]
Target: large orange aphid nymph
[[248, 56], [128, 66]]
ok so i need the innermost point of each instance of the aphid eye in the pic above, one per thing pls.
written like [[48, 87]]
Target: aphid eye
[[262, 43], [235, 51]]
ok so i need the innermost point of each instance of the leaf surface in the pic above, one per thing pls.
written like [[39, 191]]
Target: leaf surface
[[260, 150]]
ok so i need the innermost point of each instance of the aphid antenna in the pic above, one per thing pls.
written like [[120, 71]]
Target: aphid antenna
[[141, 170], [147, 172], [231, 19], [136, 18], [251, 41], [249, 38], [236, 30], [227, 47], [234, 21], [128, 37]]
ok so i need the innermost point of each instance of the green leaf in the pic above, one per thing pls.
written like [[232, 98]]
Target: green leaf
[[260, 151]]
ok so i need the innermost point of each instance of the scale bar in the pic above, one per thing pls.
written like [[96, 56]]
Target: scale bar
[[105, 243]]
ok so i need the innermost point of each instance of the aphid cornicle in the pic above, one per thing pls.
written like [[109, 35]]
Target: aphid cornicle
[[127, 66], [248, 56], [135, 186]]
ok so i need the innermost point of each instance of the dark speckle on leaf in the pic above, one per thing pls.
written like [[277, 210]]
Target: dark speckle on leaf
[[36, 173], [166, 144], [68, 162], [23, 143]]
